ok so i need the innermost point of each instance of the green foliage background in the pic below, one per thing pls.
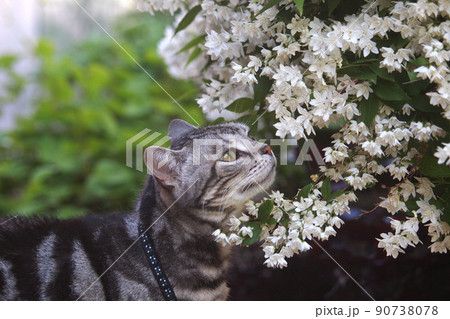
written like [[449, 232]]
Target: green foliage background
[[68, 157]]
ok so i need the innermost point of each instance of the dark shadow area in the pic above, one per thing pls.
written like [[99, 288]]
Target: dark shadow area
[[416, 275]]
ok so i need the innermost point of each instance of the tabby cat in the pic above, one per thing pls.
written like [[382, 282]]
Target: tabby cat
[[182, 204]]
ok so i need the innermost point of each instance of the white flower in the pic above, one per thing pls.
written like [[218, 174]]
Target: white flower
[[373, 148], [298, 245], [336, 221], [428, 212], [425, 188], [254, 63], [251, 208], [443, 154], [269, 251], [390, 61], [244, 218], [289, 74], [333, 156], [304, 204], [276, 261], [216, 43], [360, 182], [390, 243], [407, 189], [406, 109], [329, 231], [298, 25], [235, 239], [393, 204], [438, 247], [234, 223], [246, 231], [387, 138], [430, 72], [220, 237], [277, 197], [363, 89], [424, 132], [288, 125]]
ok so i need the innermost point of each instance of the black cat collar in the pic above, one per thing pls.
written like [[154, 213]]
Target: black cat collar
[[155, 265]]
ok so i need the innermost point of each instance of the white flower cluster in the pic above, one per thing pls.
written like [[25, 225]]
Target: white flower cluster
[[237, 44], [293, 223], [406, 231], [162, 5]]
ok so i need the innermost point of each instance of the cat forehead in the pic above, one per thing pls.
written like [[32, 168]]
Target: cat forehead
[[218, 131], [229, 129]]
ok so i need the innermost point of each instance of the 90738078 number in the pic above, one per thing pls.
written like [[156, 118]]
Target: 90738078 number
[[403, 310]]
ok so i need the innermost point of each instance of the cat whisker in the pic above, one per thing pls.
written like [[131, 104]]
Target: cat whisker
[[221, 202], [226, 191]]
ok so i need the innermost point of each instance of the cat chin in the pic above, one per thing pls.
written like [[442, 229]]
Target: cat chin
[[259, 187]]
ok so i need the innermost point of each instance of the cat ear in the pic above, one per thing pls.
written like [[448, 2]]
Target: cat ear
[[161, 163], [179, 128]]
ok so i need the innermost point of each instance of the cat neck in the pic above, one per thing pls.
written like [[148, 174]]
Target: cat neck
[[186, 247]]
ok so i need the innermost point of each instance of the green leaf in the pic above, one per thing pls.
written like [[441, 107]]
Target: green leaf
[[446, 199], [326, 188], [45, 49], [218, 120], [285, 221], [438, 203], [334, 195], [192, 43], [304, 192], [359, 72], [256, 227], [412, 75], [300, 4], [241, 105], [365, 60], [269, 5], [429, 166], [420, 61], [422, 103], [446, 216], [396, 105], [411, 204], [194, 54], [261, 89], [188, 18], [332, 5], [416, 87], [369, 109], [368, 75], [271, 221], [381, 72], [6, 61], [264, 210], [390, 91]]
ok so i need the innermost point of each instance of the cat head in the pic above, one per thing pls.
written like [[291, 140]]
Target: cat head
[[215, 167]]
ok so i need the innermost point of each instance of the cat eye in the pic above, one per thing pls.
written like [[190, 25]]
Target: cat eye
[[229, 156]]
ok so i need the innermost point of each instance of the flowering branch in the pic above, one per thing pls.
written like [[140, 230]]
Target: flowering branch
[[380, 72]]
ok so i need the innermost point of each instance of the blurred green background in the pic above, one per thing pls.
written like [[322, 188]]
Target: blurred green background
[[67, 158]]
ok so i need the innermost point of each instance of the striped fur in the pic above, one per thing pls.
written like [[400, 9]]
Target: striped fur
[[97, 258]]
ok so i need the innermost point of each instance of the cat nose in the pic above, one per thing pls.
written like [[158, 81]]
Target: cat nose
[[265, 149]]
